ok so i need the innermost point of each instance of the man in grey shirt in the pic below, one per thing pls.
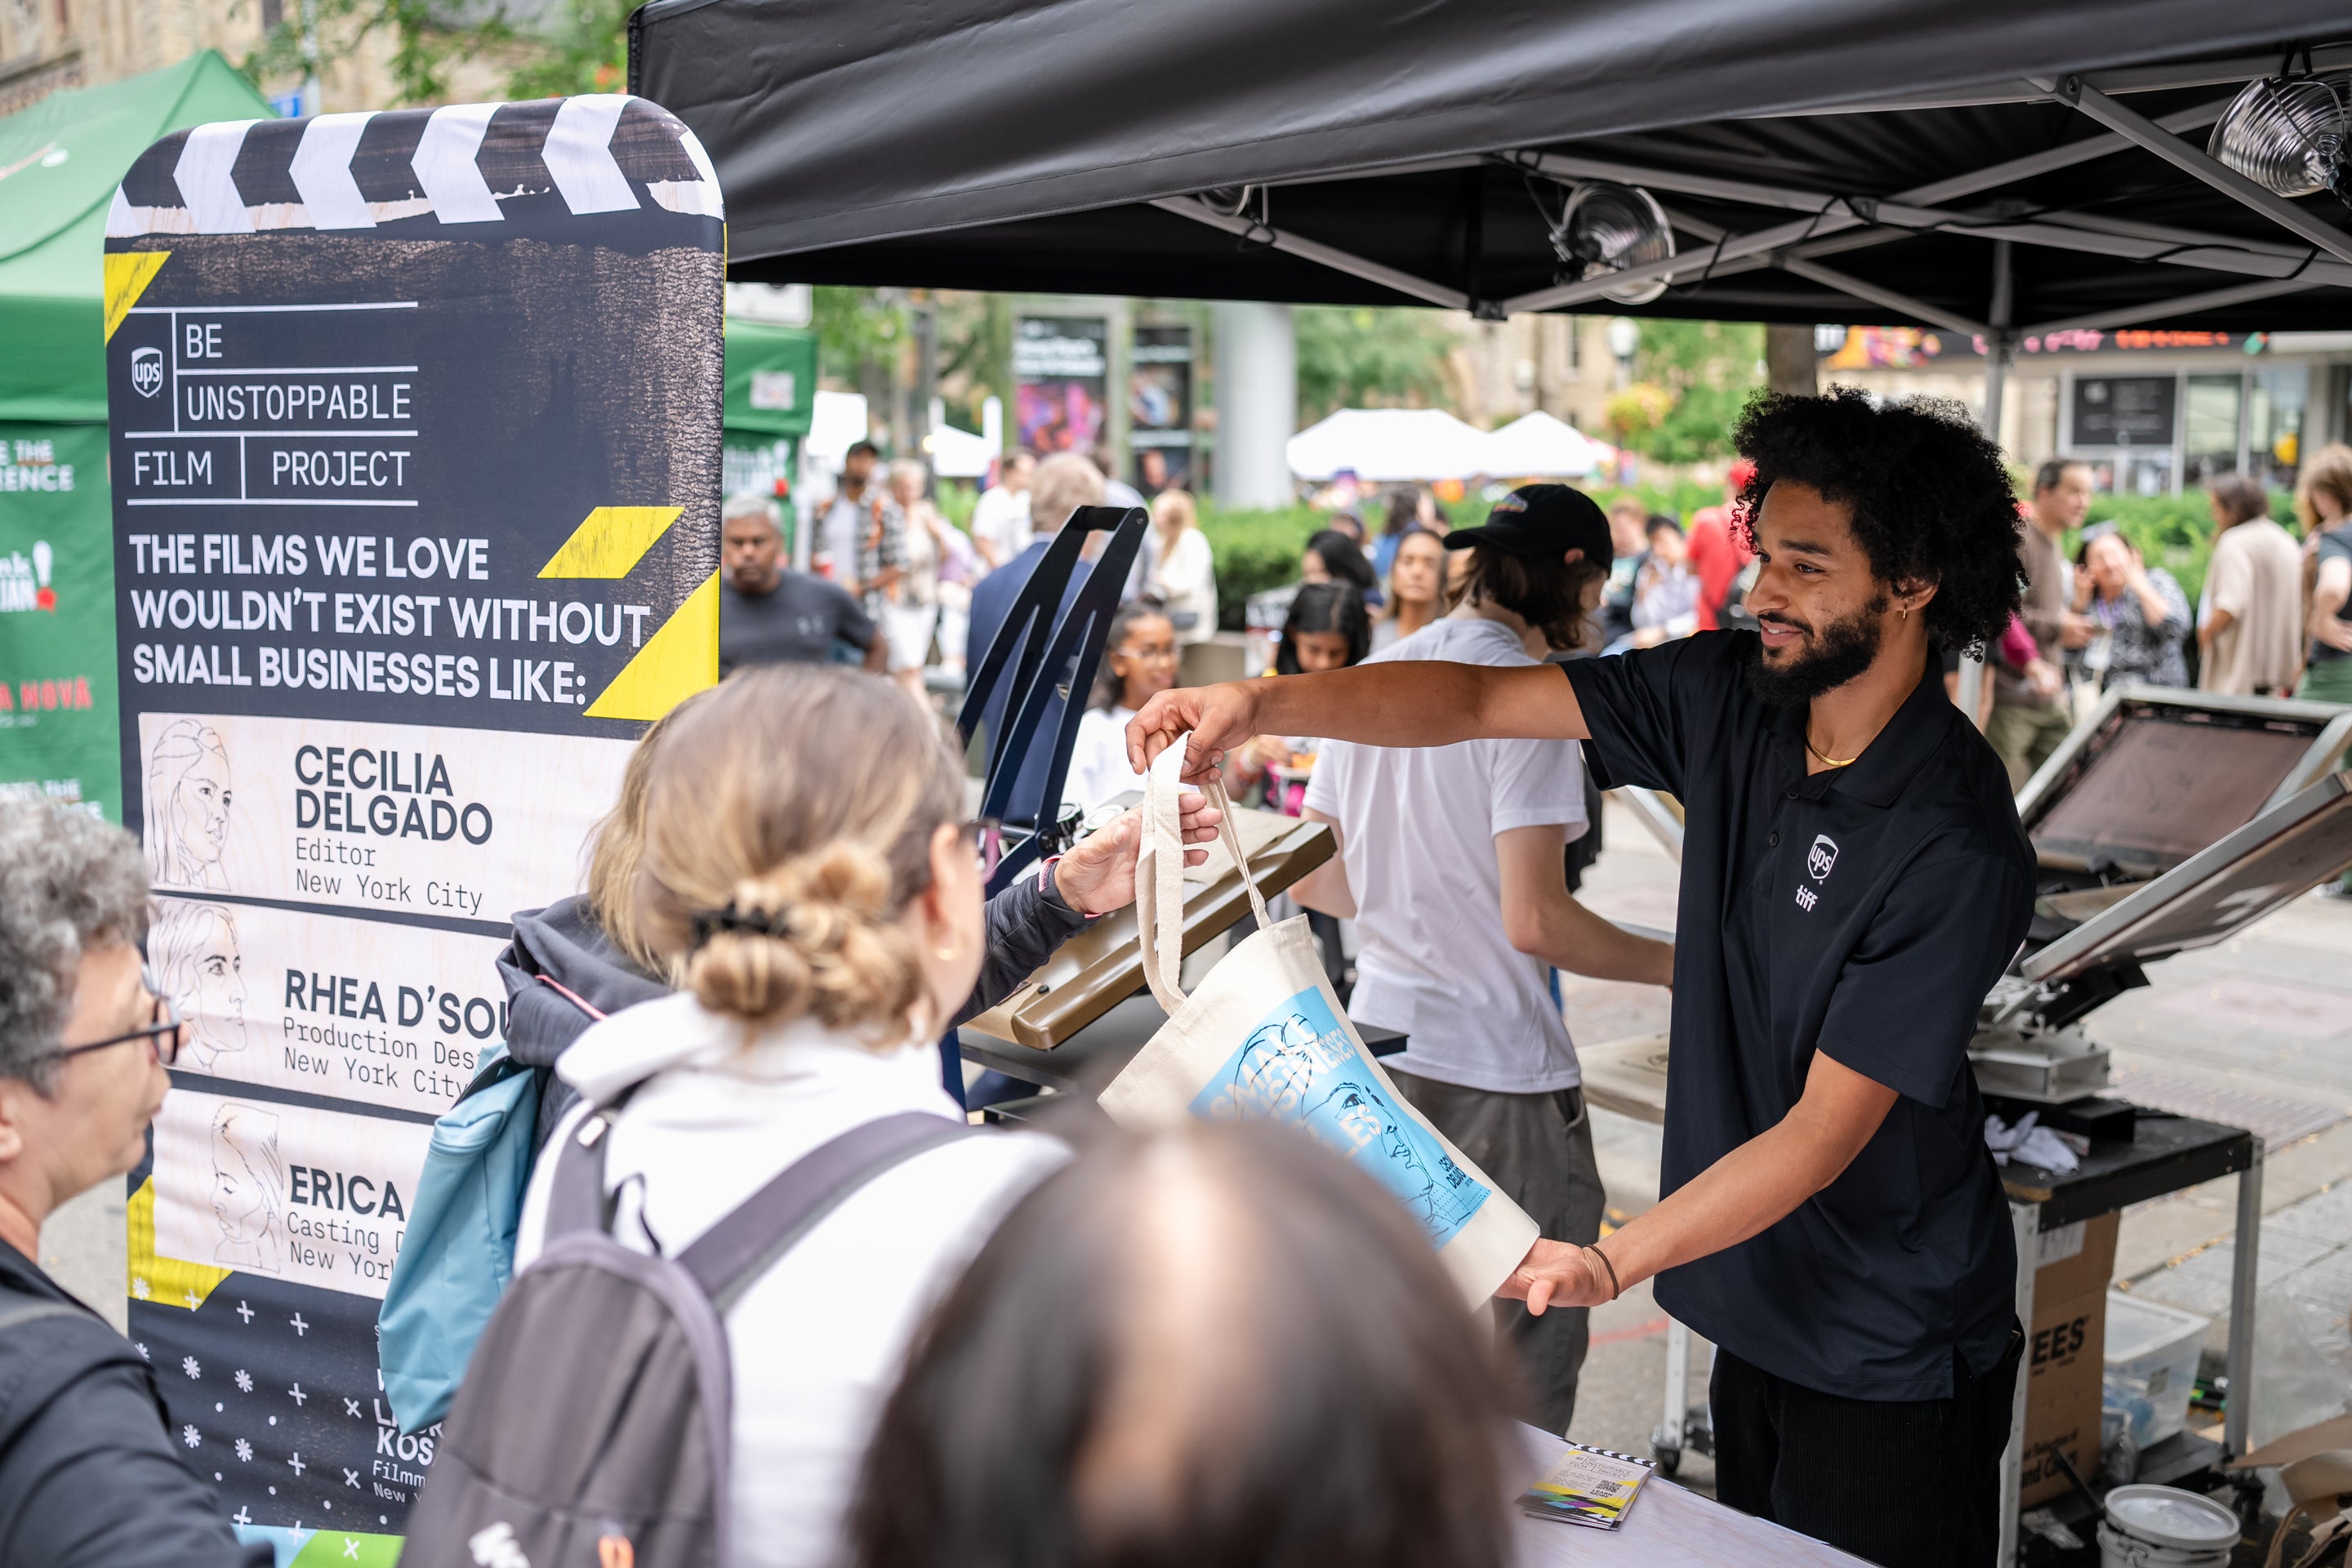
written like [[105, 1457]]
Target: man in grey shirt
[[769, 614]]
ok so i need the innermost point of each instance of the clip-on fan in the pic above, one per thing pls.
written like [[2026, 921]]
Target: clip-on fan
[[1045, 660]]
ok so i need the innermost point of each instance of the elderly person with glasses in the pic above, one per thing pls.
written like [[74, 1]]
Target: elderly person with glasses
[[88, 1473]]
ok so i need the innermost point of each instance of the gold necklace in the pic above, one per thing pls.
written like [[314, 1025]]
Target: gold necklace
[[1833, 762]]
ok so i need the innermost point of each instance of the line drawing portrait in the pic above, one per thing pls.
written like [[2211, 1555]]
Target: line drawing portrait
[[192, 949], [248, 1196], [187, 806]]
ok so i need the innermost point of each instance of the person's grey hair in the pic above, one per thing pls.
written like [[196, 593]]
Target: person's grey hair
[[752, 503], [69, 883], [1065, 481]]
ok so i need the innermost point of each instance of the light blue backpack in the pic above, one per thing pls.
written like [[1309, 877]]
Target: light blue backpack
[[459, 1250]]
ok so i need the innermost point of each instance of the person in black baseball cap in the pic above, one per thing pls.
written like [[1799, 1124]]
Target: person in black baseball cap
[[1542, 558], [1450, 862], [1543, 520]]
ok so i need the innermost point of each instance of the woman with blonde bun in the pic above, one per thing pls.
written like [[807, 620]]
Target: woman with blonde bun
[[804, 873]]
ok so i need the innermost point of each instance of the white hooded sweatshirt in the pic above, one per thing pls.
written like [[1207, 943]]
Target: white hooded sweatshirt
[[817, 1342]]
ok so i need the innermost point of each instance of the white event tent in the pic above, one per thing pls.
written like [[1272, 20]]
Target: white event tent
[[1540, 447], [1381, 445]]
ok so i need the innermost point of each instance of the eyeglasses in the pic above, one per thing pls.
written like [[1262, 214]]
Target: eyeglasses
[[163, 1035], [988, 842]]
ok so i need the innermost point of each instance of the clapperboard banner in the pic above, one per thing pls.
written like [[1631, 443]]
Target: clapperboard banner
[[415, 453]]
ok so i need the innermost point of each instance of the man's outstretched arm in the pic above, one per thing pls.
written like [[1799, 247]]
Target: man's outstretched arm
[[1407, 702], [1748, 1190]]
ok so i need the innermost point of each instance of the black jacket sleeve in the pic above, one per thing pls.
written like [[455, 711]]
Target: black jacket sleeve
[[1025, 925], [88, 1477]]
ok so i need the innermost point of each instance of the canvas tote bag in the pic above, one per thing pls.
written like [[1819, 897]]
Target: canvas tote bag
[[1264, 1037]]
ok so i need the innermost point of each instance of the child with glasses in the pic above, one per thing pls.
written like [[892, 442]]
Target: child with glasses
[[1139, 661]]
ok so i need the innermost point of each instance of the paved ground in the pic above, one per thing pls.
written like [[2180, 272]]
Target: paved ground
[[2252, 1033]]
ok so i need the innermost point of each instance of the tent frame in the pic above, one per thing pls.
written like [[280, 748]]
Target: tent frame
[[1835, 223]]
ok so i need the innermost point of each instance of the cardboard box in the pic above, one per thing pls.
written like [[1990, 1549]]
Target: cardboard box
[[2065, 1355]]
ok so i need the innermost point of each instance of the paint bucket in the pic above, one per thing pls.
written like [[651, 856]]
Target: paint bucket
[[2164, 1527]]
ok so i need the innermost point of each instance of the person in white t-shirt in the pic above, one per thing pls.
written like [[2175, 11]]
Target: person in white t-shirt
[[1000, 519], [1459, 914], [1139, 659]]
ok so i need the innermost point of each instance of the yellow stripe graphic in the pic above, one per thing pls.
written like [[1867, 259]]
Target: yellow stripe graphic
[[166, 1281], [610, 540], [127, 273], [678, 660]]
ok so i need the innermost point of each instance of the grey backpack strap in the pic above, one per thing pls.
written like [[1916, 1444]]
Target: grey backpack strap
[[575, 1197], [737, 1250]]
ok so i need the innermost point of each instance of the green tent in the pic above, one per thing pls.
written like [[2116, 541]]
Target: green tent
[[771, 395], [59, 162]]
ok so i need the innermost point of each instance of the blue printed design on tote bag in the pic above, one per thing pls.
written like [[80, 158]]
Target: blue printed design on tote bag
[[1301, 1065]]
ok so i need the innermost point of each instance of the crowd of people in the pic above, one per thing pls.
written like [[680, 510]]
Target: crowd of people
[[1083, 1348], [784, 910], [893, 584], [2270, 622]]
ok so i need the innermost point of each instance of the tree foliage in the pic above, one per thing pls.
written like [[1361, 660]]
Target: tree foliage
[[1635, 414], [855, 328], [1707, 369], [582, 48], [574, 46], [426, 37], [1354, 356]]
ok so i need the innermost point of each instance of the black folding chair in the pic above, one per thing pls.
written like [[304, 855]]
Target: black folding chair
[[1041, 656]]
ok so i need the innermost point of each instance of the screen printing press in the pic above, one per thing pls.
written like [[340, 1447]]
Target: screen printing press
[[2168, 821]]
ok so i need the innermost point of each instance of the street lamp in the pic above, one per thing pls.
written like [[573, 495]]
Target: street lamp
[[1624, 337]]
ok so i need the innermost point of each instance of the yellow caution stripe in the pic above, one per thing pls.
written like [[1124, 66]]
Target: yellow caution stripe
[[610, 540], [127, 273], [678, 660]]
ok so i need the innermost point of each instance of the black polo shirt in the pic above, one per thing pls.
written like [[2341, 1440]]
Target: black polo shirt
[[1864, 911]]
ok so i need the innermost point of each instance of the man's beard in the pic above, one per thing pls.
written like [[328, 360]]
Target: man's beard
[[1839, 651]]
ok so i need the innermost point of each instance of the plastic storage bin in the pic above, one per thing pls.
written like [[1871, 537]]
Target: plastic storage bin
[[2151, 1365]]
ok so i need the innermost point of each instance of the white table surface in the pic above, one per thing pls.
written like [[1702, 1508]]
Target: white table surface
[[1669, 1526]]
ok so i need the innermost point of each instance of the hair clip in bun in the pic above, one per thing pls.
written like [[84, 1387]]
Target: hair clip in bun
[[708, 923]]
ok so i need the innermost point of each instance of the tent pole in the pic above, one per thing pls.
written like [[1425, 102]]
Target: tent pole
[[2064, 157], [1894, 300], [1969, 697], [2138, 128], [1308, 250], [1997, 343], [1788, 261], [1903, 216], [2211, 300]]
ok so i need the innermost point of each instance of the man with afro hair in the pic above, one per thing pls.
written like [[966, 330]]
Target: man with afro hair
[[1853, 881]]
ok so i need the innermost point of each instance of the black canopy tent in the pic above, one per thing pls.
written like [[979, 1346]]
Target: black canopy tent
[[2007, 165]]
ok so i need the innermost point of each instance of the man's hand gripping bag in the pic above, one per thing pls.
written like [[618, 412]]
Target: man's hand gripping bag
[[1264, 1037]]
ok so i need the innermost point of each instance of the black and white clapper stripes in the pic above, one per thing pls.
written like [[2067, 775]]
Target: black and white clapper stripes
[[421, 169]]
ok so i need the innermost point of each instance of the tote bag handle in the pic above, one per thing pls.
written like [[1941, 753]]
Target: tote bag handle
[[1160, 876]]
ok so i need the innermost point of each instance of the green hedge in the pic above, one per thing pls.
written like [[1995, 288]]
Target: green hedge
[[1255, 551]]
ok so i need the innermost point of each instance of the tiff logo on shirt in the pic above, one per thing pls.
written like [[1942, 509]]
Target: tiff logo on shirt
[[1806, 899]]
